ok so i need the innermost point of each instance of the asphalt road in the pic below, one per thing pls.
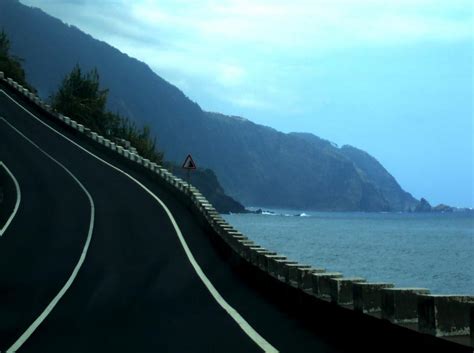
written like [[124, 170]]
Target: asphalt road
[[136, 289]]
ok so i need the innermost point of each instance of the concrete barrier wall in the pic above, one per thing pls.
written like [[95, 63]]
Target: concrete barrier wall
[[444, 315], [400, 305], [340, 289], [368, 296], [304, 278], [320, 284], [434, 315]]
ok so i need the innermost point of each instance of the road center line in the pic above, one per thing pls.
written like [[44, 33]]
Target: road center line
[[29, 331], [234, 314], [18, 199]]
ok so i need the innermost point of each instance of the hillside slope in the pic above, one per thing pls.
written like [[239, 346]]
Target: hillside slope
[[375, 173], [255, 164]]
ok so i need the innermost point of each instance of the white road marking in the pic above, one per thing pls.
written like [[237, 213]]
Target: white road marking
[[17, 203], [234, 314], [29, 331]]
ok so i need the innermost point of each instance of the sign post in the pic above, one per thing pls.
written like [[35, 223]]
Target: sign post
[[189, 165]]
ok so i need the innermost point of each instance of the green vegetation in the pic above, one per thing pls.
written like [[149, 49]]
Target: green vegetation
[[11, 65], [81, 98]]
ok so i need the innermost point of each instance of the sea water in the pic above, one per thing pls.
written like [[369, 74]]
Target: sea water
[[427, 250]]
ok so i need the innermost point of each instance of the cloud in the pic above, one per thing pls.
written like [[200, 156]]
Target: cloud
[[235, 44], [231, 43], [307, 24], [249, 101], [304, 24], [230, 75]]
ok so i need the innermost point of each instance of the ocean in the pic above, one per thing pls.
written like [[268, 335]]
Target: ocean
[[423, 250]]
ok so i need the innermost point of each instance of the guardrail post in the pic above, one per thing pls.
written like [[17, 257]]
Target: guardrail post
[[399, 305], [254, 250], [243, 248], [233, 238], [320, 283], [368, 296], [293, 273], [260, 259], [265, 260], [341, 289], [249, 248], [304, 277], [444, 315], [284, 270], [274, 265], [257, 252]]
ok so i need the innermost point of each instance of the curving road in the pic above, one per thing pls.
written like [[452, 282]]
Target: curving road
[[93, 263]]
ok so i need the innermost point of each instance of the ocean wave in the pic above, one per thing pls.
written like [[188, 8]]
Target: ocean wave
[[270, 213]]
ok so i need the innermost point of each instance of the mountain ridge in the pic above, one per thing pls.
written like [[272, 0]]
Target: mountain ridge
[[255, 164]]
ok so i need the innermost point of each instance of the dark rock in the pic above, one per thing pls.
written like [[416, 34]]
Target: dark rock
[[423, 206], [442, 208], [206, 181]]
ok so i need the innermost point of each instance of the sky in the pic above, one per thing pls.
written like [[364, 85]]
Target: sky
[[392, 77]]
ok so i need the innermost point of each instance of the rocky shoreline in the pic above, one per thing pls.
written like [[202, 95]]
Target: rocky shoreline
[[424, 206]]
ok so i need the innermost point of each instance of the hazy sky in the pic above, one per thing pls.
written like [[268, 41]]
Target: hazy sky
[[394, 78]]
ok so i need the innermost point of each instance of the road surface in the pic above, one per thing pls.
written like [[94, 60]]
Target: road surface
[[92, 262]]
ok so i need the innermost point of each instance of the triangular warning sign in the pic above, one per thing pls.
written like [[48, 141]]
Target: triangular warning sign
[[189, 163]]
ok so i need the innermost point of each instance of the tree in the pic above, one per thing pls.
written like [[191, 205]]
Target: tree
[[141, 139], [11, 65], [81, 98]]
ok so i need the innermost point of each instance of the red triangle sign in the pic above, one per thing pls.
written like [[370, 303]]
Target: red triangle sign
[[189, 163]]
